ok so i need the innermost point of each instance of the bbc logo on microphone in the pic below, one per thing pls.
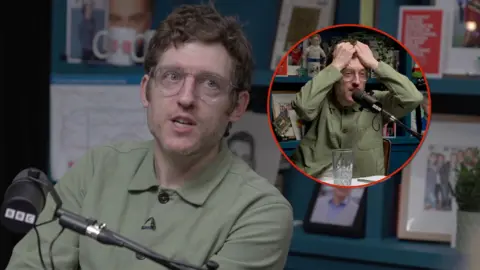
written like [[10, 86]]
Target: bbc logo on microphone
[[20, 216]]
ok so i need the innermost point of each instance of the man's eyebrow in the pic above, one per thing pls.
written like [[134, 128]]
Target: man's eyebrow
[[201, 72]]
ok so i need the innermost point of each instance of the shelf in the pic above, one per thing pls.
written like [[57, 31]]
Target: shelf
[[260, 78], [454, 86], [304, 80], [388, 251], [397, 140]]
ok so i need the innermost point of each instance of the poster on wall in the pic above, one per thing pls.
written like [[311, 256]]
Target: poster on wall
[[251, 140], [422, 31], [85, 116]]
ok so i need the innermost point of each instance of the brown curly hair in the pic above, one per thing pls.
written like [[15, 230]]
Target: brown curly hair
[[203, 23]]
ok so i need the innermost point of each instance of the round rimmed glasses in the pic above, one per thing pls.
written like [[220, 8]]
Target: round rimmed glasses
[[209, 87], [349, 75]]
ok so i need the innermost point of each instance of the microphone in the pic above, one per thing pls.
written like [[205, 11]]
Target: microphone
[[25, 199], [371, 103], [366, 100]]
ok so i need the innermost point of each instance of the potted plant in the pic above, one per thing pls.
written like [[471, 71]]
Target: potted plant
[[467, 196]]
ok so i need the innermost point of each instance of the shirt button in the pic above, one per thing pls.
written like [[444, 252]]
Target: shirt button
[[163, 197], [344, 130], [139, 257]]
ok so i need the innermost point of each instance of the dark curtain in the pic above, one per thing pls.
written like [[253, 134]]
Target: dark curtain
[[25, 96]]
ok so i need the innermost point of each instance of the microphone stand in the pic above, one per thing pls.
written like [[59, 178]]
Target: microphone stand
[[389, 116], [100, 232]]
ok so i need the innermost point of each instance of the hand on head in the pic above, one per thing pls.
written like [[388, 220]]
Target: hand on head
[[365, 55], [342, 55], [345, 51]]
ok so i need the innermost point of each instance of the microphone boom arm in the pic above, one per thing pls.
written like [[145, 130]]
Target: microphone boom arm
[[102, 234], [392, 118]]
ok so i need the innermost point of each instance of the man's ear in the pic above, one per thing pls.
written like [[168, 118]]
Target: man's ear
[[144, 95], [241, 106]]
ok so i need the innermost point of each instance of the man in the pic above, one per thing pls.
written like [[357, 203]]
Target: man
[[337, 122], [183, 194], [337, 209]]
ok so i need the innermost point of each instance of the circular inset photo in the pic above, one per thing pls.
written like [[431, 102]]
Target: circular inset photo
[[348, 106]]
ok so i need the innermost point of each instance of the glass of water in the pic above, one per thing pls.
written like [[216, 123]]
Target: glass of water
[[342, 166]]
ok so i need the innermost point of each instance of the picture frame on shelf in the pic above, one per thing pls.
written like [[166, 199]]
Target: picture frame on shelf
[[250, 139], [427, 207], [297, 19], [286, 124], [336, 211], [462, 39], [430, 53]]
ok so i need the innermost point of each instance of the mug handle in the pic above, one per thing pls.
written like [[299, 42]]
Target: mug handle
[[96, 52], [135, 58]]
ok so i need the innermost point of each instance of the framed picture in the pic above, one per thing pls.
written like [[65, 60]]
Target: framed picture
[[250, 139], [336, 211], [463, 36], [428, 46], [427, 207], [298, 18], [82, 15]]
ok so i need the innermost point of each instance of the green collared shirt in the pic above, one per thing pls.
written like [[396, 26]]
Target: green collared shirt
[[228, 214], [334, 127]]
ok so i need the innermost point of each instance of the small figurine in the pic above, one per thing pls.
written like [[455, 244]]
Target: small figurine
[[314, 56], [296, 55]]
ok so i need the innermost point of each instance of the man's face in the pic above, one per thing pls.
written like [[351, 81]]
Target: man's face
[[460, 157], [134, 14], [441, 160], [354, 77], [184, 123], [453, 159]]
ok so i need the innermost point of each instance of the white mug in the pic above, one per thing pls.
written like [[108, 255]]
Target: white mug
[[146, 39], [120, 46]]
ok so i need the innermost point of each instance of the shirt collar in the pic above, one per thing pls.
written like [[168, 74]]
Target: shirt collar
[[195, 191], [144, 177]]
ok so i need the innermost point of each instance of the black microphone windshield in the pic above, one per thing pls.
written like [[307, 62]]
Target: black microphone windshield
[[24, 200], [364, 99]]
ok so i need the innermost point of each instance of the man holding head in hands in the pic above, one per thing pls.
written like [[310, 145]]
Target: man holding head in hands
[[338, 122]]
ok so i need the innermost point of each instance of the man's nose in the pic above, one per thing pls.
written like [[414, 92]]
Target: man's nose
[[186, 95]]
